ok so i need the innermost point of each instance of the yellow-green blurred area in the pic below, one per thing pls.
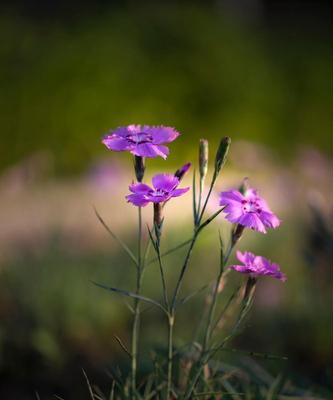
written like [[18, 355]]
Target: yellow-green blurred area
[[259, 72]]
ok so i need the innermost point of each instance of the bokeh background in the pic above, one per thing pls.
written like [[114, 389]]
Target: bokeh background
[[258, 71]]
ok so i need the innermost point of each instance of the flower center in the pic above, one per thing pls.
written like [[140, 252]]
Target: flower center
[[251, 206], [139, 138], [158, 193]]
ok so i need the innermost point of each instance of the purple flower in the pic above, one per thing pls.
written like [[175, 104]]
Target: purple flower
[[257, 265], [248, 209], [164, 187], [141, 140]]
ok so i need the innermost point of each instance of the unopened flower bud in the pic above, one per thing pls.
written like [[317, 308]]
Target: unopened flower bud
[[221, 154], [203, 158], [182, 171], [244, 186], [139, 167]]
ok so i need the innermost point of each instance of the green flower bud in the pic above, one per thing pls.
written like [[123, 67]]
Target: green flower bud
[[221, 154]]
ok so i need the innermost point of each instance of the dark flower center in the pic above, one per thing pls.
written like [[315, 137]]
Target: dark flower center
[[139, 138], [251, 206]]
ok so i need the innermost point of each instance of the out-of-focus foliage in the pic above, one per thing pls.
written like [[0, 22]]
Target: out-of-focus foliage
[[65, 82]]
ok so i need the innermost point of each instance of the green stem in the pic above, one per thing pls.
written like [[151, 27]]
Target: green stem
[[183, 270], [212, 311], [170, 355], [136, 320], [164, 286], [208, 196], [200, 196], [204, 357]]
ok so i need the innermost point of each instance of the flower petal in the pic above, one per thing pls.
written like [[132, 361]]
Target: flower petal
[[251, 220], [139, 188], [179, 192], [241, 268], [116, 143], [162, 134], [165, 182], [148, 150], [137, 199], [230, 196], [269, 219]]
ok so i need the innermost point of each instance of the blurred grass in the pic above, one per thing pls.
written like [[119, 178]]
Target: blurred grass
[[66, 82]]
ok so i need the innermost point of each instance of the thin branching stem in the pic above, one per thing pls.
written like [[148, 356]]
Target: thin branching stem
[[207, 197], [206, 355], [136, 320]]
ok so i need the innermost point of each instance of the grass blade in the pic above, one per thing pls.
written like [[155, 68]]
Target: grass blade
[[130, 294], [188, 297], [122, 345], [116, 238], [89, 386]]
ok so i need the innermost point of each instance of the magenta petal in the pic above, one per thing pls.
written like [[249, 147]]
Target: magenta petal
[[234, 211], [269, 219], [246, 258], [179, 192], [162, 134], [165, 181], [241, 268], [252, 221], [139, 188], [137, 200], [163, 150], [230, 196], [147, 150], [116, 143], [121, 131]]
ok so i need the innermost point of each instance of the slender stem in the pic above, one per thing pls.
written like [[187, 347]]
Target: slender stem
[[164, 286], [167, 252], [209, 354], [200, 195], [212, 311], [208, 196], [183, 270], [136, 320], [204, 357], [170, 355]]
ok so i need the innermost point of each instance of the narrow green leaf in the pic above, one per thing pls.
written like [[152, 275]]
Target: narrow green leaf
[[210, 219], [188, 297], [275, 388], [89, 386], [130, 294], [194, 200], [115, 237], [266, 356], [122, 345], [111, 397], [152, 239], [170, 251]]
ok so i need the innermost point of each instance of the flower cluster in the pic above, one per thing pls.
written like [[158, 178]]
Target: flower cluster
[[244, 209]]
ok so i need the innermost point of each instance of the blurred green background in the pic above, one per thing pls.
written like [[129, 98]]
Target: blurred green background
[[260, 72]]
